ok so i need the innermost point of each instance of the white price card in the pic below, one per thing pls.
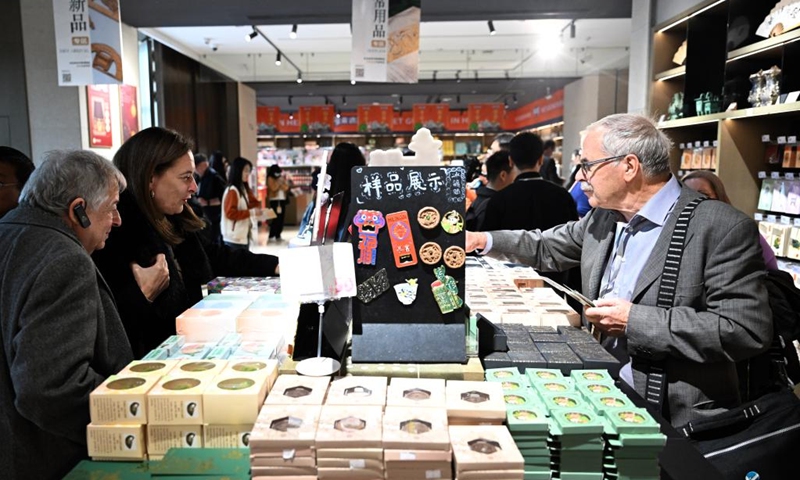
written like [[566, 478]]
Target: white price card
[[697, 144], [775, 175], [762, 174], [716, 143], [682, 146], [759, 217], [781, 140], [792, 139], [765, 138], [706, 144], [772, 219], [786, 220], [796, 222], [789, 176]]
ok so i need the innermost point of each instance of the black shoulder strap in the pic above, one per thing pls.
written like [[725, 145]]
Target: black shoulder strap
[[655, 388]]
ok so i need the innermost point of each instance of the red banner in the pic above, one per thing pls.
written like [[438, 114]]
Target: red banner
[[375, 118], [485, 117], [100, 125], [316, 118], [289, 123], [403, 121], [536, 113], [347, 122], [433, 116], [458, 121], [128, 111], [268, 119]]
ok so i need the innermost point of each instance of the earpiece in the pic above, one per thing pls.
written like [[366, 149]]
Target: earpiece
[[80, 212]]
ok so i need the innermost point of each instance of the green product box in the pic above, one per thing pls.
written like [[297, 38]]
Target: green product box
[[583, 376], [503, 374], [553, 400], [526, 418], [157, 354], [535, 374], [632, 421], [559, 385], [521, 398], [604, 403], [89, 470], [204, 462], [589, 389], [581, 475], [575, 420]]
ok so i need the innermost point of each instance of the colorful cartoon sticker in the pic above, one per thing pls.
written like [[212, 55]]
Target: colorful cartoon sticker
[[452, 222], [445, 291], [369, 222], [407, 291]]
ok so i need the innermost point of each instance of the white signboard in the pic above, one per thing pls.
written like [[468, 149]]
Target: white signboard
[[385, 41], [88, 42]]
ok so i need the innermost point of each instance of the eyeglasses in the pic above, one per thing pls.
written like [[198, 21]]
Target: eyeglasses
[[8, 184], [585, 165]]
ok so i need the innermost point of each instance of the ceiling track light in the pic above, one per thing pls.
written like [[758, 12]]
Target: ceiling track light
[[352, 82], [299, 77], [507, 76], [458, 98], [338, 114], [434, 75], [491, 28], [293, 33], [278, 59], [476, 75], [514, 98], [458, 76], [290, 99], [291, 116], [251, 35], [344, 100], [572, 29]]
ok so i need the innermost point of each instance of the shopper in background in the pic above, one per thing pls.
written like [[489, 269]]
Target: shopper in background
[[277, 190], [241, 206], [157, 262], [500, 142], [15, 168], [548, 170], [721, 313], [712, 187], [498, 175], [220, 164], [574, 188], [61, 334], [344, 157], [210, 188]]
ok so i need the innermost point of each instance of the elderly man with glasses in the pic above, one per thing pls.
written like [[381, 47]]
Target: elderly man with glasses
[[719, 314]]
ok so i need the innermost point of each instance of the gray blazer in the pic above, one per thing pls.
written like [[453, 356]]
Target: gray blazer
[[721, 313]]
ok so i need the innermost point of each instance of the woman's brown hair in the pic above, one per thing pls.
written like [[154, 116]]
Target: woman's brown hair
[[149, 153]]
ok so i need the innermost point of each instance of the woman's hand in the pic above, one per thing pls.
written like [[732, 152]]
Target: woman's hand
[[152, 280]]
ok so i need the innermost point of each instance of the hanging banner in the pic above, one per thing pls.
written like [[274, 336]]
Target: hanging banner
[[403, 121], [129, 111], [268, 120], [347, 122], [375, 118], [537, 112], [316, 118], [458, 121], [433, 116], [99, 108], [486, 117], [88, 42], [289, 123], [385, 41]]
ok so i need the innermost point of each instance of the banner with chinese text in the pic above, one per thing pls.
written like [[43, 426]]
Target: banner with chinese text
[[268, 120], [537, 112], [347, 122], [433, 116], [316, 118], [385, 41], [129, 111], [88, 42], [375, 118], [403, 121], [99, 109], [458, 121], [289, 123], [486, 117]]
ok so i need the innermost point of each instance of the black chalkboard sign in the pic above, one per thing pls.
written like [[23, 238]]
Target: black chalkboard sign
[[384, 328]]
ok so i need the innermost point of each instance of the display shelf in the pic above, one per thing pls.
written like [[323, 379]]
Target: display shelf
[[767, 44], [671, 73]]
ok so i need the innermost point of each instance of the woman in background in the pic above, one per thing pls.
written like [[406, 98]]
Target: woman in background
[[344, 157], [219, 163], [276, 189], [237, 204], [157, 262]]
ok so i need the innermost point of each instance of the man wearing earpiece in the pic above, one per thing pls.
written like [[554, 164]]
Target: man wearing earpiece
[[60, 333]]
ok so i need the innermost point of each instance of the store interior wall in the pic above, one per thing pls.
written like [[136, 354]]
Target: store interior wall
[[13, 100], [53, 113], [641, 46], [667, 9], [248, 133]]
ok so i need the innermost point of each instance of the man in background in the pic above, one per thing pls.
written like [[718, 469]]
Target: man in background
[[498, 176], [15, 168], [210, 188], [549, 171]]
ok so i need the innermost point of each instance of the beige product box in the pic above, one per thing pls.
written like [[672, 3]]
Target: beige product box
[[552, 316], [155, 458], [416, 392], [288, 471], [484, 448], [143, 368], [355, 453], [116, 441], [707, 153], [199, 368], [686, 158], [227, 436], [121, 400], [278, 457], [779, 239], [410, 428], [177, 401], [697, 158], [234, 398], [355, 463], [493, 474], [475, 400], [305, 462], [793, 247], [161, 438], [285, 477], [358, 391], [297, 390], [255, 367], [349, 426], [399, 458], [348, 474], [285, 426], [765, 229]]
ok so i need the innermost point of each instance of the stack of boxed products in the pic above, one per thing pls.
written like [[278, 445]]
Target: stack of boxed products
[[256, 318], [152, 406], [485, 452], [581, 426], [515, 295], [252, 285]]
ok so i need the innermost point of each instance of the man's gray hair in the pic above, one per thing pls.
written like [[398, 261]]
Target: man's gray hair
[[65, 175], [626, 133]]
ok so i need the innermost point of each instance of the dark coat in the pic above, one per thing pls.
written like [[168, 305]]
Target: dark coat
[[191, 264], [477, 210], [61, 337], [549, 171]]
